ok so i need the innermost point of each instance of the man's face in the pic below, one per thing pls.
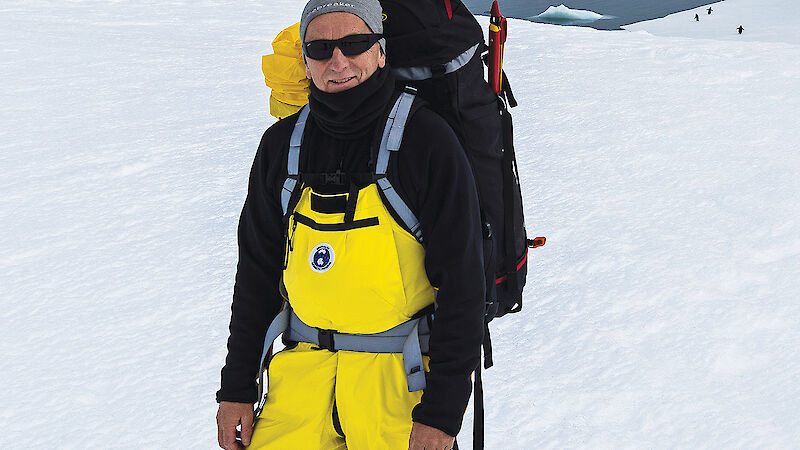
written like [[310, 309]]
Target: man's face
[[341, 72]]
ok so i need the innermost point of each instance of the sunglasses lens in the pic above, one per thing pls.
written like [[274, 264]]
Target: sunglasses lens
[[352, 45], [320, 49]]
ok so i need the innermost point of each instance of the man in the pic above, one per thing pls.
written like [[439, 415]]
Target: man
[[354, 280]]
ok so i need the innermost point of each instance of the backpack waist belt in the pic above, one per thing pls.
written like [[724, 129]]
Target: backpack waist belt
[[410, 338], [424, 73]]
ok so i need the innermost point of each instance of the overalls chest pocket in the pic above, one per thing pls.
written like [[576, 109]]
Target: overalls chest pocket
[[342, 267]]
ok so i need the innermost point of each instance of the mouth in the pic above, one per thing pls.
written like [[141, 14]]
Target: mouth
[[342, 81]]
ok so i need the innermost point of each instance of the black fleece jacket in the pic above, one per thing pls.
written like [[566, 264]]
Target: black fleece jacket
[[432, 175]]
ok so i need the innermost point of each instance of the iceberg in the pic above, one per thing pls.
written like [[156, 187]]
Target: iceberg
[[563, 15]]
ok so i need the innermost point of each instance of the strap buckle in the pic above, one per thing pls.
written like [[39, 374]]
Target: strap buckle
[[325, 339], [491, 310], [438, 70], [337, 178], [487, 230]]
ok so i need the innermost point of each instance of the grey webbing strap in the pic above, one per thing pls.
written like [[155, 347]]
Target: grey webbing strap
[[286, 193], [389, 341], [400, 207], [409, 338], [404, 338], [395, 137], [293, 161], [393, 131], [424, 73], [412, 360], [390, 142], [276, 328], [297, 140], [279, 324]]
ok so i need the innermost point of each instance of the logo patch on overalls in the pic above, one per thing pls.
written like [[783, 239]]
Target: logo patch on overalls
[[321, 258]]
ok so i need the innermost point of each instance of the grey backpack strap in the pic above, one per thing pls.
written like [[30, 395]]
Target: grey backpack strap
[[393, 131], [278, 326], [412, 360], [390, 142], [293, 163], [426, 72]]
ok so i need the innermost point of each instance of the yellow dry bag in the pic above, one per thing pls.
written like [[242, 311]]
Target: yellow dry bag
[[285, 73]]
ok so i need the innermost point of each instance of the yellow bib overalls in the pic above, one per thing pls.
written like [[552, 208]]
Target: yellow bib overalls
[[359, 272]]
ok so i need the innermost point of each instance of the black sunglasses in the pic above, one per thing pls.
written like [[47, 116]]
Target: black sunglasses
[[354, 44]]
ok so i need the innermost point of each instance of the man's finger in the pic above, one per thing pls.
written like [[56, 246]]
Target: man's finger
[[219, 431], [229, 435], [413, 443], [247, 430]]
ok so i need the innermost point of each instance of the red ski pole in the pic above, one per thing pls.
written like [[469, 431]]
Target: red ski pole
[[497, 38]]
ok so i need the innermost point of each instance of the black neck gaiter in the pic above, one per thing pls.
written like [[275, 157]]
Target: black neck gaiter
[[350, 114]]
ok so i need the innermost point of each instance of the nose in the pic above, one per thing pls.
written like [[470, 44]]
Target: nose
[[338, 61]]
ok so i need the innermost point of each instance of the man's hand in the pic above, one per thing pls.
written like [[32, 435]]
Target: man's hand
[[229, 415], [424, 437]]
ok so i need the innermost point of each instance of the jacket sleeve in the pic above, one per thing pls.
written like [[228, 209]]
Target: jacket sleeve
[[256, 299], [443, 188]]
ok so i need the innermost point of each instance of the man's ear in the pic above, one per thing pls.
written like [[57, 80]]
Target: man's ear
[[382, 59], [308, 72]]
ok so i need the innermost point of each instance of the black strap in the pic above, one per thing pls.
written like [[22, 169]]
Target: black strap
[[509, 182], [337, 178], [506, 93], [426, 311], [478, 423], [477, 429], [352, 199], [488, 360], [490, 270], [293, 199]]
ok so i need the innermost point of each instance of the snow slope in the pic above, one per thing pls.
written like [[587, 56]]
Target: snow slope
[[661, 313], [774, 21]]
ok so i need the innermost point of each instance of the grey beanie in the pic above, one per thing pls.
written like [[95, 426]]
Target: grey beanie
[[369, 11]]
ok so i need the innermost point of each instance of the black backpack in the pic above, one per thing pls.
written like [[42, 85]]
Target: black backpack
[[437, 47]]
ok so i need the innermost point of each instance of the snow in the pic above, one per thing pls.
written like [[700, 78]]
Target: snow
[[561, 13], [775, 21], [661, 167]]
